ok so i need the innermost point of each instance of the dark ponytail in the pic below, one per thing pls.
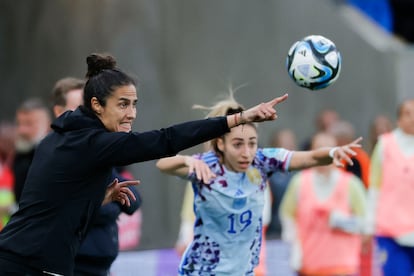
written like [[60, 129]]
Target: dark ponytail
[[97, 63]]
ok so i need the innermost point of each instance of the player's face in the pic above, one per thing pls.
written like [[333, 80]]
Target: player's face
[[239, 147], [120, 109], [406, 118]]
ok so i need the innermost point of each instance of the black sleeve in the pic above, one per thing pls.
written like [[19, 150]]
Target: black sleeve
[[120, 149], [108, 213]]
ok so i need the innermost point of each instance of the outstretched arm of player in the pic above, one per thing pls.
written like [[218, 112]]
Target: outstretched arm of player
[[324, 156], [183, 165]]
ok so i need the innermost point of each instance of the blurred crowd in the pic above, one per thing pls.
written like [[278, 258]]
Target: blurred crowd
[[312, 209]]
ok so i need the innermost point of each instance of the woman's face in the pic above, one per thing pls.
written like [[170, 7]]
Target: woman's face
[[120, 110], [239, 147]]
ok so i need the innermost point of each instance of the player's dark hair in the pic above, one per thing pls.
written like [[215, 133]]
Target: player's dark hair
[[103, 78]]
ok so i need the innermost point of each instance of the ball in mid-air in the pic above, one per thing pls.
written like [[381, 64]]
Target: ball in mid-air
[[314, 62]]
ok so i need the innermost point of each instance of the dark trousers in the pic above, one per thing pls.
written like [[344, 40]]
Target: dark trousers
[[9, 268]]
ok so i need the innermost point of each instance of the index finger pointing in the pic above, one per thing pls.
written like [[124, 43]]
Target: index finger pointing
[[130, 183], [278, 100], [357, 141]]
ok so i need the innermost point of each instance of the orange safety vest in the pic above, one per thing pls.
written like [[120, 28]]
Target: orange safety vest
[[394, 215], [325, 251]]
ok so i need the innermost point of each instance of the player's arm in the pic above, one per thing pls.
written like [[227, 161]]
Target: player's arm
[[175, 165], [183, 165], [324, 156]]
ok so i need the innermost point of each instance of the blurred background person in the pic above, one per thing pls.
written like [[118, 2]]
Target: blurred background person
[[380, 125], [33, 121], [67, 94], [344, 133], [391, 193], [278, 181], [100, 247], [323, 121], [322, 217], [7, 202]]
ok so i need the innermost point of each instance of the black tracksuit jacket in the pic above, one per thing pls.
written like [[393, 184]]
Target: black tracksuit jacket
[[100, 247], [67, 180]]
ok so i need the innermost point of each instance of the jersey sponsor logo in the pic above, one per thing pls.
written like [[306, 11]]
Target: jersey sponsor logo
[[254, 176]]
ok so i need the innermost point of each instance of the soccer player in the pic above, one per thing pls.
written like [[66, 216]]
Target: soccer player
[[229, 183]]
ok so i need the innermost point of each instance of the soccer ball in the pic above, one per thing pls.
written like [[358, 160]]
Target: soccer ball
[[314, 62]]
